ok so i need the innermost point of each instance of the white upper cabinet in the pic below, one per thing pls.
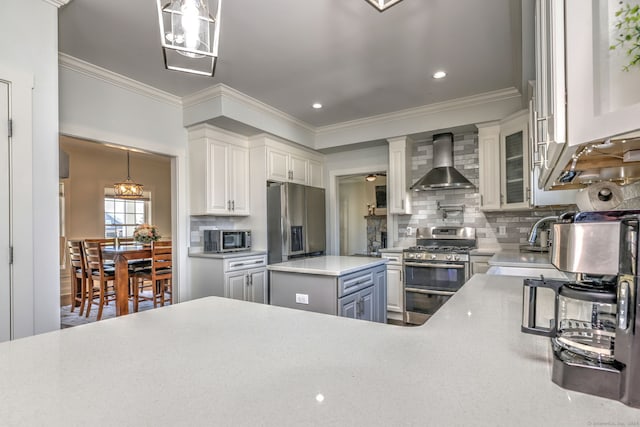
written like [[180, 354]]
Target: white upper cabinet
[[514, 161], [504, 163], [218, 172], [603, 98], [548, 120], [489, 158], [399, 178], [286, 163]]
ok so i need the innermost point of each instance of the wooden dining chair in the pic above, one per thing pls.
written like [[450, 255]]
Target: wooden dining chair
[[79, 278], [101, 278], [159, 276]]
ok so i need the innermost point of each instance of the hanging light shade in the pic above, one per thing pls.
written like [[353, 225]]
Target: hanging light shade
[[371, 177], [189, 35], [127, 189], [383, 5]]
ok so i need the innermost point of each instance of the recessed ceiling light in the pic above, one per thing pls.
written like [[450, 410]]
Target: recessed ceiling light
[[439, 75], [317, 105]]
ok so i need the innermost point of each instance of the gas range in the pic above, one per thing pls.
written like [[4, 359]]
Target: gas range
[[435, 269], [443, 244]]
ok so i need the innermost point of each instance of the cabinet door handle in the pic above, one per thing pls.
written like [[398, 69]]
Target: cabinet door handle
[[233, 205], [228, 205], [402, 204]]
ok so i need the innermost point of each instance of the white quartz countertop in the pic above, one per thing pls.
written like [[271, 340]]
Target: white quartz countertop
[[521, 259], [225, 255], [217, 361], [330, 265]]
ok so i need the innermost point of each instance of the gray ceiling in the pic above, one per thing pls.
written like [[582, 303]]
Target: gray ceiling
[[343, 53]]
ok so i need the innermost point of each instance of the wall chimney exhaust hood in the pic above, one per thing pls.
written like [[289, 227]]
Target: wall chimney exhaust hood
[[443, 176]]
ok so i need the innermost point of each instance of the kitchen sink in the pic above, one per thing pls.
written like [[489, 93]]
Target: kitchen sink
[[550, 273]]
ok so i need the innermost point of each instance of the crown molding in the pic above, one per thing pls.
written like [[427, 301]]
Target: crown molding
[[411, 113], [221, 90], [57, 3], [91, 70]]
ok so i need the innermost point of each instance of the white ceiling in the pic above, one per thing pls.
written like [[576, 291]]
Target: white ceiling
[[343, 53]]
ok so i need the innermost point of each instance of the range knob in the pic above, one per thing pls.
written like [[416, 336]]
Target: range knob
[[418, 256], [449, 257], [409, 255], [433, 256]]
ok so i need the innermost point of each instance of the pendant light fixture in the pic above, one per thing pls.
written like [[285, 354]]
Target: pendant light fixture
[[383, 5], [127, 189], [371, 177], [189, 35]]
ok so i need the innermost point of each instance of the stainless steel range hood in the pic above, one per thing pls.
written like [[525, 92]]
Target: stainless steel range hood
[[443, 175]]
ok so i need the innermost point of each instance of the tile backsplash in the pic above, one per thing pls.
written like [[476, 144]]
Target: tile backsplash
[[200, 223], [493, 229]]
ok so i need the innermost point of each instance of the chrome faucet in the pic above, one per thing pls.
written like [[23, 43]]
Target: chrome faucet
[[533, 233]]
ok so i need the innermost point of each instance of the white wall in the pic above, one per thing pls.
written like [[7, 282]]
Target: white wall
[[99, 109], [353, 225], [28, 42]]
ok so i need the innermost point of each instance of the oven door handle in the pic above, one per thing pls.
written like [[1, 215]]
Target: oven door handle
[[429, 292], [432, 265]]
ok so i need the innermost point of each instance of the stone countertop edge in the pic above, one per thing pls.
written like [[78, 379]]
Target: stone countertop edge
[[330, 265], [225, 255]]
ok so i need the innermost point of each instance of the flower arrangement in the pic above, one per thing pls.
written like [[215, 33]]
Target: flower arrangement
[[146, 233]]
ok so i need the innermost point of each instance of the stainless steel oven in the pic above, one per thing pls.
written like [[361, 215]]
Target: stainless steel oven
[[429, 284], [435, 269]]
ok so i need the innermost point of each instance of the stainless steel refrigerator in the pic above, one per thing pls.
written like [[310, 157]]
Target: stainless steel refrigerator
[[295, 221]]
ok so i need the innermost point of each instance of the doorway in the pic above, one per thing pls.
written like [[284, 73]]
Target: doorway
[[90, 210], [362, 204]]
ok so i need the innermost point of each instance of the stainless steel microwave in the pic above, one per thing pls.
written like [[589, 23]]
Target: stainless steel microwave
[[226, 240]]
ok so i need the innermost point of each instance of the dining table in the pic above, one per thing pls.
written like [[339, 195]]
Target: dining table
[[121, 255]]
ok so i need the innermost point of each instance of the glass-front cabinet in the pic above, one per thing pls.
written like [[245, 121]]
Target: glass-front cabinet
[[603, 82], [514, 164]]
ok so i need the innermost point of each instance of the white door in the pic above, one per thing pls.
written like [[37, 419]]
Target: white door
[[5, 207]]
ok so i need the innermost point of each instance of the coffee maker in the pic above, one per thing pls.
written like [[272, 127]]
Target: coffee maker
[[595, 333]]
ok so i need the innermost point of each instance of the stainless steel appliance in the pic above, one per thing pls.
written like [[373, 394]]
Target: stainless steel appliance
[[443, 175], [595, 332], [435, 269], [226, 240], [295, 221]]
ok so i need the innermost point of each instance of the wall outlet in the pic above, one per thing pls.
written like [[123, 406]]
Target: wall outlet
[[409, 231], [502, 230], [302, 298]]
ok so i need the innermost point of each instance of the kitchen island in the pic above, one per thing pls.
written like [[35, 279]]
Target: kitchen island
[[217, 361], [346, 286]]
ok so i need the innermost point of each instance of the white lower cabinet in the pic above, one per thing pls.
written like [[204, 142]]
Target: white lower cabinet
[[395, 285], [479, 263], [237, 277], [247, 285]]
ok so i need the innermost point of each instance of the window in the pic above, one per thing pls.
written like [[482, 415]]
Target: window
[[121, 216]]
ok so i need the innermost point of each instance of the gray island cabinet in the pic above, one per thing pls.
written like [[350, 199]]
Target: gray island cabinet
[[354, 287]]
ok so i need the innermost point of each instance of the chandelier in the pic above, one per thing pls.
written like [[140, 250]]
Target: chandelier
[[383, 5], [127, 189], [189, 35]]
